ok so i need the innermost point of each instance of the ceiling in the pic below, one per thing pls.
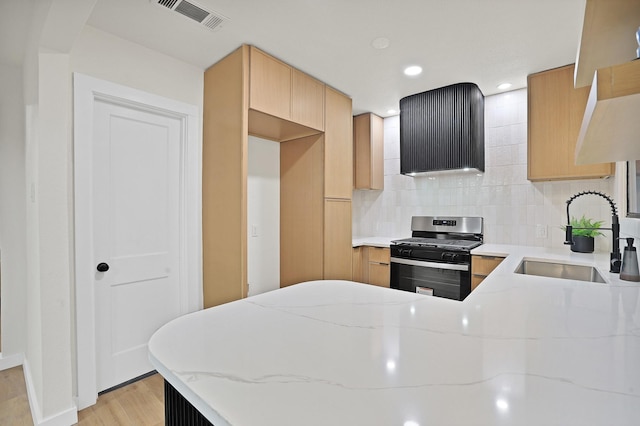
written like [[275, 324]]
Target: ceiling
[[486, 42]]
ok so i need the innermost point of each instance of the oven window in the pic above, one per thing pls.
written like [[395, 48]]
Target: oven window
[[444, 282]]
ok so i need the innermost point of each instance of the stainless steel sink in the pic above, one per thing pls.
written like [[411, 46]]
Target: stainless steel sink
[[555, 269]]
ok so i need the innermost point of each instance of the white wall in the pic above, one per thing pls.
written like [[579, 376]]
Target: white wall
[[102, 55], [48, 148], [12, 212], [511, 205], [263, 215], [54, 204]]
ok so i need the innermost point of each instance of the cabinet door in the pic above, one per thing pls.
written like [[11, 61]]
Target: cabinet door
[[337, 240], [378, 264], [368, 151], [379, 255], [555, 111], [301, 211], [481, 266], [379, 274], [356, 267], [307, 101], [475, 281], [338, 155], [270, 85], [224, 213]]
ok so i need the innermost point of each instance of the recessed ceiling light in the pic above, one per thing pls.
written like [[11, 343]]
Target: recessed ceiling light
[[504, 86], [392, 111], [413, 70], [380, 43]]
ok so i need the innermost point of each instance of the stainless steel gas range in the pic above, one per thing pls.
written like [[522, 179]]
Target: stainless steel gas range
[[437, 259]]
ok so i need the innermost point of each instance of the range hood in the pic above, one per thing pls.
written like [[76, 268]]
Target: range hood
[[442, 129]]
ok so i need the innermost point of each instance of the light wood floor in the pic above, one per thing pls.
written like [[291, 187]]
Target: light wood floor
[[140, 403], [14, 404]]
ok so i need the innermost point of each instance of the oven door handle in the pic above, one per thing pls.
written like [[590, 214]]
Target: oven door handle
[[450, 266]]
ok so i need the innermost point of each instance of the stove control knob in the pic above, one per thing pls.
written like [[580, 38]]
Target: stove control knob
[[451, 257], [405, 252]]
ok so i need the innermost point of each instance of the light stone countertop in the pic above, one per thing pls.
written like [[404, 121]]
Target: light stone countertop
[[374, 241], [520, 350]]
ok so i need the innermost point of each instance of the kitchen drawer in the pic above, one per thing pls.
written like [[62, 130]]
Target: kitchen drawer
[[484, 265], [379, 274], [379, 255]]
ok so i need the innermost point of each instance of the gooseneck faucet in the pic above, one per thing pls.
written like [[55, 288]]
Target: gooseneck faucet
[[615, 258]]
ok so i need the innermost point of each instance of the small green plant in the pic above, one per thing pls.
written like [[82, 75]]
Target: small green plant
[[584, 222]]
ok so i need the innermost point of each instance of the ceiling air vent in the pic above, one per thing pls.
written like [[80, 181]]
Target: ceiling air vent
[[194, 12]]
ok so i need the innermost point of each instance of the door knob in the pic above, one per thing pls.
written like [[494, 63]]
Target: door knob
[[102, 267]]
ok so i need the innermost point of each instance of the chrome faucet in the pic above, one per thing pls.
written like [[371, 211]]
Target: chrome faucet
[[615, 258]]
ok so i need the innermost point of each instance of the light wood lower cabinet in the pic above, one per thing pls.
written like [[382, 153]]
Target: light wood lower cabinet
[[481, 267], [371, 265], [357, 264]]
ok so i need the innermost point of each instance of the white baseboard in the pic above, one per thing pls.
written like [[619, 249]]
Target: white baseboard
[[63, 418], [10, 361]]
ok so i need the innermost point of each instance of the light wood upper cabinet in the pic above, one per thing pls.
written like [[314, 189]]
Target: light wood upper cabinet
[[282, 91], [307, 100], [337, 240], [368, 151], [607, 61], [607, 37], [555, 111], [338, 177], [270, 85], [610, 125]]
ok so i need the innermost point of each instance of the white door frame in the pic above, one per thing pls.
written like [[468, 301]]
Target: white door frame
[[88, 90]]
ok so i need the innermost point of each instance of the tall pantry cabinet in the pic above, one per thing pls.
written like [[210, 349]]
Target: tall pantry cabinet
[[252, 93]]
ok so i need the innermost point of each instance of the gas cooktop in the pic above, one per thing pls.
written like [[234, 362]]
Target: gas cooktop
[[438, 242]]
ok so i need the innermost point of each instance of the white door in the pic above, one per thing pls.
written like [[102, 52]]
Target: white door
[[136, 193]]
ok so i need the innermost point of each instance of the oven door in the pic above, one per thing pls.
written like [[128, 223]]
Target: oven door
[[450, 280]]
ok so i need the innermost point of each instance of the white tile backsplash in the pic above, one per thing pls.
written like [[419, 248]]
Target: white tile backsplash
[[511, 205]]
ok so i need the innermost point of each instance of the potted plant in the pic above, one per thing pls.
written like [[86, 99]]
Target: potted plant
[[584, 229]]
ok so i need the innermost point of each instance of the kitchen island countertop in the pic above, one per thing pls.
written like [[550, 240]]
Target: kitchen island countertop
[[519, 350]]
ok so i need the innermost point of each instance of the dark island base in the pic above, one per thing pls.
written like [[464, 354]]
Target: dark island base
[[179, 412]]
